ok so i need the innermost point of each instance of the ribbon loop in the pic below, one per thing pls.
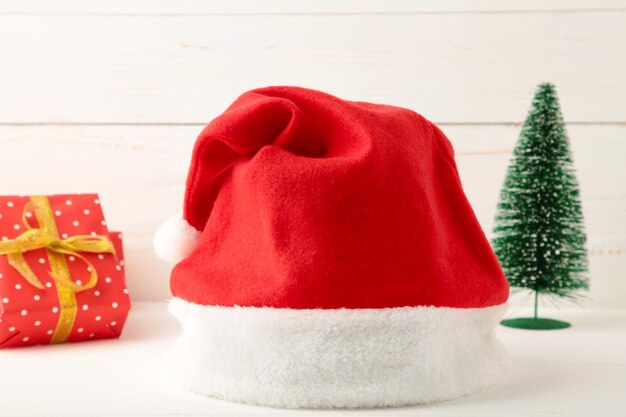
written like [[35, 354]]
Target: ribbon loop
[[84, 243]]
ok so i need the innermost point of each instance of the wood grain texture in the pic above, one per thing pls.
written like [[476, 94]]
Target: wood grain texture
[[184, 68], [109, 96], [139, 172]]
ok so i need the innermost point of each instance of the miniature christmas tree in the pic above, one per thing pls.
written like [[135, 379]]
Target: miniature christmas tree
[[539, 237]]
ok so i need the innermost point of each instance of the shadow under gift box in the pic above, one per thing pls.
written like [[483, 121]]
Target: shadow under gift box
[[55, 313]]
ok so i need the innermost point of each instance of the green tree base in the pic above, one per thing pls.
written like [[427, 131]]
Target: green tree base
[[530, 323]]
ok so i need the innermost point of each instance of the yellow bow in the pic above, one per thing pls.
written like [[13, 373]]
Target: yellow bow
[[47, 237]]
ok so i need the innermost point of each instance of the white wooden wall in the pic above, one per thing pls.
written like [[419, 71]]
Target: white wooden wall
[[109, 96]]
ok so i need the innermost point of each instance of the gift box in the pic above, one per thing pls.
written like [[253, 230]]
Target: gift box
[[61, 271]]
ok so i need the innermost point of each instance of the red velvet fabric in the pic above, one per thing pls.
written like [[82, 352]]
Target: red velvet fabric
[[309, 201]]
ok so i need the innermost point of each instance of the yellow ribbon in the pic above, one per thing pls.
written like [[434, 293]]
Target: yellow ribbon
[[47, 236]]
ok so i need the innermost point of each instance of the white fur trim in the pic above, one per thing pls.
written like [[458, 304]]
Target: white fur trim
[[175, 239], [336, 358]]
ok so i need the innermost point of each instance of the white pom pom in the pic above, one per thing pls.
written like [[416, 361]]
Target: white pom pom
[[175, 239]]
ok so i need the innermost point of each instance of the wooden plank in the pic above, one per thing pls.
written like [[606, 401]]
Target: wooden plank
[[483, 155], [298, 6], [139, 172], [454, 68]]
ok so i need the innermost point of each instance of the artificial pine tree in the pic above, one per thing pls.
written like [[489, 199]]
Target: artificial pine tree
[[539, 237]]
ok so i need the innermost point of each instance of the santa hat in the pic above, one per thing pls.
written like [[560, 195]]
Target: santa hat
[[328, 257]]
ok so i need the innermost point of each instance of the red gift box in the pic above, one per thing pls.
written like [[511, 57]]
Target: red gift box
[[61, 271]]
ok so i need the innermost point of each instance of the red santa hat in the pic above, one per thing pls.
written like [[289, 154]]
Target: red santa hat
[[328, 257]]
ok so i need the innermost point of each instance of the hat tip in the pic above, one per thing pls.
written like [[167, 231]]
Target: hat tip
[[175, 239]]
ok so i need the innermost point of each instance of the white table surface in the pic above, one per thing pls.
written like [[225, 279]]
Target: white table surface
[[580, 371]]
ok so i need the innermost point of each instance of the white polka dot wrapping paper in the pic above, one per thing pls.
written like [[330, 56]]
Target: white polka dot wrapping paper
[[61, 271]]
